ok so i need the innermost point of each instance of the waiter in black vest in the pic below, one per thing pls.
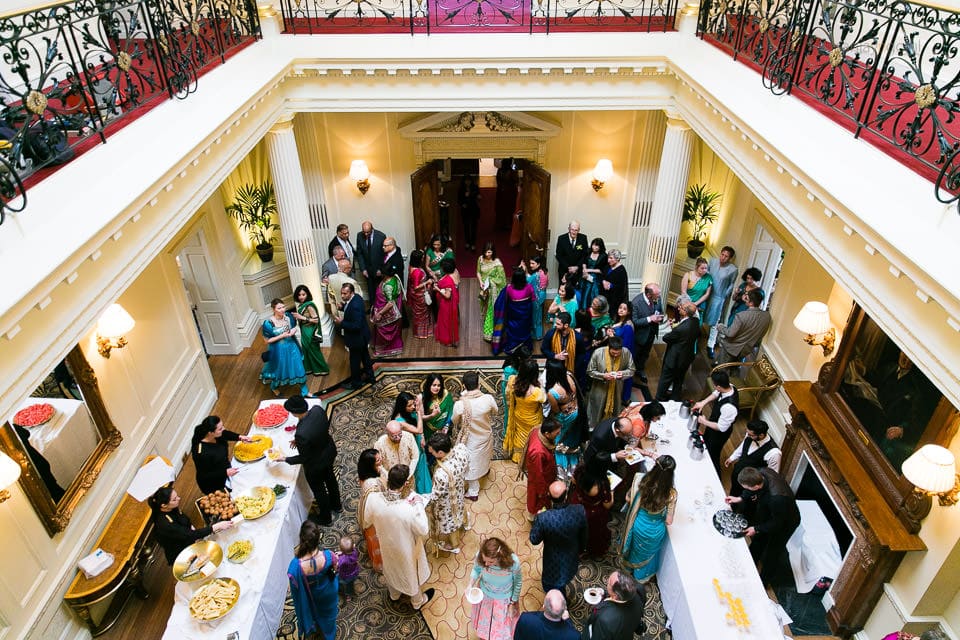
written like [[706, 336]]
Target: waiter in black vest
[[717, 428], [758, 450]]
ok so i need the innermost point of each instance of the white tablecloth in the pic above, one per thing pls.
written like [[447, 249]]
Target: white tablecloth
[[67, 440], [695, 553], [814, 551], [262, 578]]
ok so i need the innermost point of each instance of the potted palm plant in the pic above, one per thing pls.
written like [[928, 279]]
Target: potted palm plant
[[254, 209], [699, 207]]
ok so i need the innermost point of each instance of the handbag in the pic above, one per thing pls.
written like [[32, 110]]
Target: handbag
[[318, 336], [427, 298], [389, 314]]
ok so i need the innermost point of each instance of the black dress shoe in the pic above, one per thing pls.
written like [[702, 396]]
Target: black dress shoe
[[351, 385], [429, 593]]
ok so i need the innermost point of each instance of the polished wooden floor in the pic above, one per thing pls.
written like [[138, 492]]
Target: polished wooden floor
[[240, 392]]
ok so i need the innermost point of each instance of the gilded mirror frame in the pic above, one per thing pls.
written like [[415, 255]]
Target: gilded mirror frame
[[55, 516], [911, 508]]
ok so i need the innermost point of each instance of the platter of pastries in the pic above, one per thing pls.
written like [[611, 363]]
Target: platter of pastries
[[214, 600], [252, 451], [216, 506], [258, 503]]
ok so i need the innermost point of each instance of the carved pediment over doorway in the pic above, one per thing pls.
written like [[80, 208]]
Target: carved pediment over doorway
[[479, 134]]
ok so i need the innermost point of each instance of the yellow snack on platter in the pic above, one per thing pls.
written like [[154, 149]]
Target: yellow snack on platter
[[251, 451], [215, 599], [257, 504]]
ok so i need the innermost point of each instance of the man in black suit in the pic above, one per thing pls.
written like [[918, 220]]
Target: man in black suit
[[607, 442], [620, 615], [356, 335], [342, 240], [647, 317], [316, 451], [392, 260], [369, 252], [572, 250], [681, 350]]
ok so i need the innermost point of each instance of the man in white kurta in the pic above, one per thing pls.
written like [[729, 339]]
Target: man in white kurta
[[397, 446], [448, 485], [474, 414], [403, 525]]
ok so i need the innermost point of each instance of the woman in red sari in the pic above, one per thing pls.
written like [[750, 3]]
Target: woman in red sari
[[448, 296], [417, 283]]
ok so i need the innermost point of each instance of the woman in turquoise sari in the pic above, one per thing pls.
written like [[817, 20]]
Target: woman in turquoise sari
[[309, 318], [561, 387], [284, 364], [313, 585], [408, 412], [594, 268], [387, 318], [652, 501], [697, 285], [537, 278]]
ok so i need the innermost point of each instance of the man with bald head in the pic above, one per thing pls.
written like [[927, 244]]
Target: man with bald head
[[392, 260], [369, 254], [398, 447], [335, 284], [553, 623], [620, 615], [563, 531], [332, 266]]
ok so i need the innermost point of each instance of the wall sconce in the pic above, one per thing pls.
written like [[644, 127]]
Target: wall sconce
[[932, 469], [601, 173], [9, 473], [814, 320], [114, 325], [360, 173]]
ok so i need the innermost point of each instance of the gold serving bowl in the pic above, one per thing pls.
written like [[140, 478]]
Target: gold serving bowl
[[258, 503], [215, 600], [205, 551]]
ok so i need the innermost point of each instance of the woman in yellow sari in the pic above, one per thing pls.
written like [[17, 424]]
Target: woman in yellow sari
[[525, 398]]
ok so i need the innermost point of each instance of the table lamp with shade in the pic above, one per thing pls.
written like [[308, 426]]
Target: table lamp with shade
[[932, 469], [814, 320]]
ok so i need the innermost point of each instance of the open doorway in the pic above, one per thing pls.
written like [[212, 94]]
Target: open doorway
[[511, 202], [766, 256]]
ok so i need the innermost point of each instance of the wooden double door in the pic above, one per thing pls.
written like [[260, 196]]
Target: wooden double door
[[534, 205]]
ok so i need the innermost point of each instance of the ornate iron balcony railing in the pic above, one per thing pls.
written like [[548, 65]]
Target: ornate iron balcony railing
[[72, 73], [888, 71], [476, 16]]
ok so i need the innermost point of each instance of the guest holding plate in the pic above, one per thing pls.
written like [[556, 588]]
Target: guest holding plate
[[496, 572]]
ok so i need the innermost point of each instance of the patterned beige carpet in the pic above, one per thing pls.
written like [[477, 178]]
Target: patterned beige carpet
[[358, 418]]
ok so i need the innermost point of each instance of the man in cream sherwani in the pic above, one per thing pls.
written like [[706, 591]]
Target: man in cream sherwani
[[403, 525], [474, 413], [398, 447]]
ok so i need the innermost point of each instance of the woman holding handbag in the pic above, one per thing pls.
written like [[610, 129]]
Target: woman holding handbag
[[387, 317], [313, 585], [311, 338]]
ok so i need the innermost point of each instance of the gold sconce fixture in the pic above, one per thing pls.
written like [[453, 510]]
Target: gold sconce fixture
[[9, 473], [360, 173], [932, 470], [114, 325], [814, 320], [601, 173]]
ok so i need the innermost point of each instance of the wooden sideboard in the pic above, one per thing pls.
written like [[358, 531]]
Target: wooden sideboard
[[127, 537]]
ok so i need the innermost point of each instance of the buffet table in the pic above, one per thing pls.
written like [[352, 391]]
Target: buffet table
[[262, 578], [694, 553], [67, 440]]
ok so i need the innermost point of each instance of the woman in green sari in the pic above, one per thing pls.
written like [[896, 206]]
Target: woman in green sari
[[308, 317], [437, 405], [437, 252], [492, 279]]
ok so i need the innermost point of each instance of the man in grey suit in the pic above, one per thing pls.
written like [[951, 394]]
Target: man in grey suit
[[681, 350], [369, 253], [746, 331], [332, 265], [647, 317]]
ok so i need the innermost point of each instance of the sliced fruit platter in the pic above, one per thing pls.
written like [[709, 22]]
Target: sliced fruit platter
[[271, 416], [252, 451], [34, 415]]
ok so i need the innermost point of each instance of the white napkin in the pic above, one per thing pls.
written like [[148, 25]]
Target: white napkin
[[149, 478]]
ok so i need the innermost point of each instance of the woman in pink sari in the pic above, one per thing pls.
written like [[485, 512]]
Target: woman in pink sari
[[386, 317], [417, 283], [448, 296]]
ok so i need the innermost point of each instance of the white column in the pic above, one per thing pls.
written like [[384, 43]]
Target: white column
[[666, 214], [650, 152], [303, 258]]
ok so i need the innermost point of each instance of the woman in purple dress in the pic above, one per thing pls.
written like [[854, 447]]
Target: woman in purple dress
[[513, 315]]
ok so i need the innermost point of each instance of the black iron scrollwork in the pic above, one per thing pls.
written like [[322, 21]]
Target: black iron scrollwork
[[70, 73], [888, 69]]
